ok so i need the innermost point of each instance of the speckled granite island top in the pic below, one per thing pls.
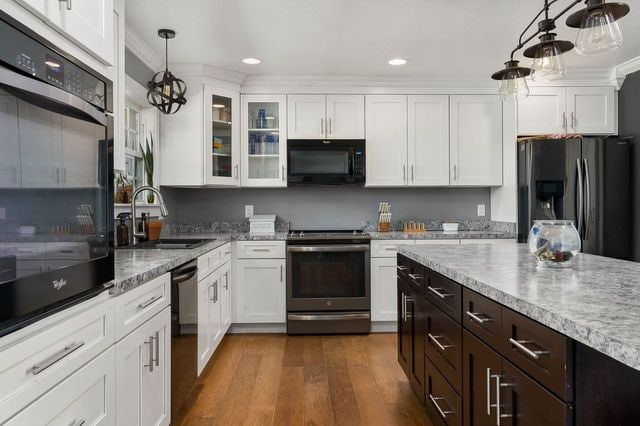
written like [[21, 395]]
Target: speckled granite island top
[[597, 303]]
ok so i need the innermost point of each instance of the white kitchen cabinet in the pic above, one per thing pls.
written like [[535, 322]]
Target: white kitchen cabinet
[[225, 297], [260, 291], [221, 136], [199, 146], [306, 116], [39, 7], [475, 140], [585, 110], [88, 23], [209, 317], [428, 140], [9, 143], [325, 116], [88, 397], [80, 153], [345, 117], [386, 129], [143, 370], [264, 141], [383, 289], [591, 110], [543, 111], [41, 162]]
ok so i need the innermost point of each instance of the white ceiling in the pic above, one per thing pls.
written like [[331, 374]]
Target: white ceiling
[[329, 38]]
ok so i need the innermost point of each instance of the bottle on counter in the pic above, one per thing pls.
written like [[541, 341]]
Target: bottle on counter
[[122, 230]]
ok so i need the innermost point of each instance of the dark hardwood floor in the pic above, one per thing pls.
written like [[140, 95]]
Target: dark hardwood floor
[[275, 379]]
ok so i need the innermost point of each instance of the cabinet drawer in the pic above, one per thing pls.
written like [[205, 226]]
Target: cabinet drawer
[[443, 404], [387, 248], [67, 251], [482, 317], [528, 402], [86, 397], [544, 354], [32, 365], [135, 307], [209, 262], [444, 345], [445, 294], [413, 272], [260, 249]]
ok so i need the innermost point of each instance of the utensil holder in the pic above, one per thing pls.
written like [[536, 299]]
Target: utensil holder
[[384, 226]]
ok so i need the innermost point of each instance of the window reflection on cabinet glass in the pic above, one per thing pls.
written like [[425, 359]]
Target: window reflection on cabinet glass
[[264, 140], [221, 136], [133, 157]]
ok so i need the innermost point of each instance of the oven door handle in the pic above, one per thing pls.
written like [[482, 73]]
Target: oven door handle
[[329, 317], [50, 97], [328, 248]]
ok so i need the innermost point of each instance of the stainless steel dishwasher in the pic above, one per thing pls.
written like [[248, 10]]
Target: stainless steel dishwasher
[[184, 334]]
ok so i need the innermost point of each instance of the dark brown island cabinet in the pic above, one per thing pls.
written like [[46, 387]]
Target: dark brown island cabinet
[[472, 361]]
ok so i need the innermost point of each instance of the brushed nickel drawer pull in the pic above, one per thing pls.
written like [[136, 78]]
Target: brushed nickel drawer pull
[[434, 401], [150, 302], [434, 339], [391, 249], [401, 268], [476, 317], [157, 360], [520, 344], [415, 276], [68, 350], [150, 343], [80, 422], [437, 292], [256, 249]]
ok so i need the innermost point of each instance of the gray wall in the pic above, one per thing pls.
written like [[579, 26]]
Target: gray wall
[[629, 124], [136, 69], [339, 207]]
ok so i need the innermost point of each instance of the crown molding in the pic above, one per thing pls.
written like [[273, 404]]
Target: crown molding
[[142, 50], [208, 71], [624, 69]]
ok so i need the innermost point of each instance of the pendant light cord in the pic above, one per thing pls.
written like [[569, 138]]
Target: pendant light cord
[[166, 54]]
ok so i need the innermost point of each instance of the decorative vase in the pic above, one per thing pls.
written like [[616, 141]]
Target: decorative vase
[[554, 243]]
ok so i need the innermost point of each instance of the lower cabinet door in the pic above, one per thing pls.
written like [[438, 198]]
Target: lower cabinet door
[[260, 295], [225, 298], [443, 404], [383, 289], [405, 329], [205, 344], [481, 368], [143, 368], [524, 402], [418, 312], [87, 397], [215, 320]]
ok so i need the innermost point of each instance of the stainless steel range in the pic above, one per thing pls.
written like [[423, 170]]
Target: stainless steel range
[[328, 282]]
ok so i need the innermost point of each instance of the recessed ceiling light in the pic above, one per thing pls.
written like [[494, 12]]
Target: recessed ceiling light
[[251, 61], [397, 61]]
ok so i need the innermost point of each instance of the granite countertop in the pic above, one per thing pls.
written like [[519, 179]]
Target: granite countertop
[[597, 302], [441, 235]]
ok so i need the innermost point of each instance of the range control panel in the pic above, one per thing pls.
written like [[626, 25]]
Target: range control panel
[[20, 51]]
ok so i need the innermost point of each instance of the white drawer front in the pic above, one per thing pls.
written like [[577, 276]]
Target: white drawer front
[[31, 366], [225, 253], [388, 248], [86, 397], [138, 305], [209, 262], [71, 251], [260, 249]]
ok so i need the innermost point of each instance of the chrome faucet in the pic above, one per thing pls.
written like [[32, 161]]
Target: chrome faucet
[[163, 210]]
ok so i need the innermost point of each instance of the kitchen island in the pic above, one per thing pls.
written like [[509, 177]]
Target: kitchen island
[[562, 346]]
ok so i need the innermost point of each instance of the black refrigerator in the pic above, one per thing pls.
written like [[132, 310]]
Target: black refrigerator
[[584, 179]]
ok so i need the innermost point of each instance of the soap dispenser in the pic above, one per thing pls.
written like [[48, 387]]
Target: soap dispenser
[[122, 231]]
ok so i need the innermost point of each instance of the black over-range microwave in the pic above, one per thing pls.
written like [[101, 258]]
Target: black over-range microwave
[[326, 162]]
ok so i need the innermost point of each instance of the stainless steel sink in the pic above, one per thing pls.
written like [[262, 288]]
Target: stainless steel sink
[[172, 243]]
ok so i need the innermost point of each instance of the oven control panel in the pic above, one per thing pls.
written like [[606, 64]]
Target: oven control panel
[[22, 52]]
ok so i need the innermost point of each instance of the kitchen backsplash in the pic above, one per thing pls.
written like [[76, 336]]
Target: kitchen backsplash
[[327, 207]]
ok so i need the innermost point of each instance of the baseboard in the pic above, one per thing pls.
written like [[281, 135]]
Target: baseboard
[[376, 327], [384, 327]]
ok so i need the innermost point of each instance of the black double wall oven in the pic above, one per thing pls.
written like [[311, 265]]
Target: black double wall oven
[[56, 178]]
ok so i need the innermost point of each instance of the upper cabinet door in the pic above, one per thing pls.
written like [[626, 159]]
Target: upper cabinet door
[[264, 141], [345, 117], [9, 143], [428, 135], [476, 140], [543, 111], [89, 23], [591, 110], [221, 136], [386, 149], [307, 116]]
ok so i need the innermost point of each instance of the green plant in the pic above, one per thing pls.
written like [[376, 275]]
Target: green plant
[[147, 158]]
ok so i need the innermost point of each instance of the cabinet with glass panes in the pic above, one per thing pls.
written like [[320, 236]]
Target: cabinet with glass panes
[[221, 137], [264, 140]]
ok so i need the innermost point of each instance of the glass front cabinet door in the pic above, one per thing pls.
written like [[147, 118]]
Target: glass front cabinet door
[[264, 141], [221, 136]]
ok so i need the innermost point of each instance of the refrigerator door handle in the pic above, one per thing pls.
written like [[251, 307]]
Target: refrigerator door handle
[[579, 197], [587, 202]]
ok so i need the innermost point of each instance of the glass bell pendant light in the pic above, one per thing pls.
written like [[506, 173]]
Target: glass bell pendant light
[[548, 60], [512, 81], [598, 30]]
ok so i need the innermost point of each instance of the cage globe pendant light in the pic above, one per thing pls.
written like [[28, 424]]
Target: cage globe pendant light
[[512, 80], [598, 30], [166, 92]]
